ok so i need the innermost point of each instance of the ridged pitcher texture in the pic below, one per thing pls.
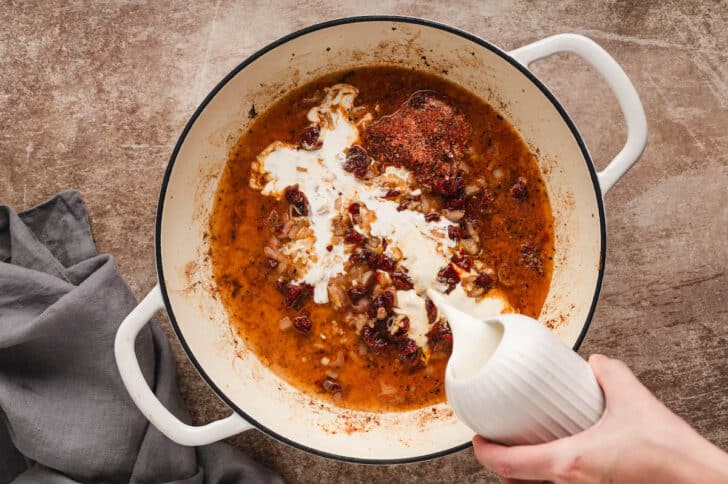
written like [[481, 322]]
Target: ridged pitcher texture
[[531, 389]]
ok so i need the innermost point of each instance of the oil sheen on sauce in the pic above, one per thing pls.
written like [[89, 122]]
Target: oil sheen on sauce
[[330, 359]]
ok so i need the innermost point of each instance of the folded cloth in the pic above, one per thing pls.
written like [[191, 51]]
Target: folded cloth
[[65, 415]]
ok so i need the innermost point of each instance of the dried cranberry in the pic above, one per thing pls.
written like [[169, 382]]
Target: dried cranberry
[[409, 351], [449, 186], [373, 339], [519, 190], [294, 294], [448, 275], [354, 237], [384, 300], [309, 139], [462, 260], [331, 385], [456, 232], [484, 280], [531, 257], [302, 324], [402, 281], [440, 332], [357, 161], [403, 205], [354, 208], [357, 292], [432, 217], [271, 263], [297, 199], [392, 194], [454, 203], [431, 310], [362, 255], [385, 263], [477, 203]]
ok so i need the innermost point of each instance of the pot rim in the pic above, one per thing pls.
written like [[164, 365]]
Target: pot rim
[[298, 33]]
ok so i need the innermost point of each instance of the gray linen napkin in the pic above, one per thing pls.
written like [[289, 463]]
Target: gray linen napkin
[[65, 416]]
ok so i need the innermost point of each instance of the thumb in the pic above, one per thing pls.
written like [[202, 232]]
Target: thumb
[[615, 378]]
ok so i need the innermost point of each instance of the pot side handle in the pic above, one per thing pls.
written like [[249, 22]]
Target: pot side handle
[[146, 400], [627, 96]]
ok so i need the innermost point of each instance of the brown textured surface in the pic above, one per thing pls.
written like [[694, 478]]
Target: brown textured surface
[[94, 97]]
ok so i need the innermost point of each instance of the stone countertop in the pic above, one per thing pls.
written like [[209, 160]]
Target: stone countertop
[[93, 97]]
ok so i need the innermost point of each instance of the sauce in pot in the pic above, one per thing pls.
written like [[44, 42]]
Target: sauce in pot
[[348, 198]]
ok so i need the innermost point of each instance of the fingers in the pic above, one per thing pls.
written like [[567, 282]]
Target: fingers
[[517, 462]]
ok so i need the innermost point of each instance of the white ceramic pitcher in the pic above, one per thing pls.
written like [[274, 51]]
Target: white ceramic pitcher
[[513, 381]]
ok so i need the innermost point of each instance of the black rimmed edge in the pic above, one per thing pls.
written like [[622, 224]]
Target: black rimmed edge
[[369, 18]]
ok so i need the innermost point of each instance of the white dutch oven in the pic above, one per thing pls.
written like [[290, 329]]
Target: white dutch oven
[[259, 399]]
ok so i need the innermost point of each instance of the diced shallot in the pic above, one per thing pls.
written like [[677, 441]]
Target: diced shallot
[[285, 323], [386, 389], [273, 254]]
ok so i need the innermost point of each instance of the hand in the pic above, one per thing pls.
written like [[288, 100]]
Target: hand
[[636, 440]]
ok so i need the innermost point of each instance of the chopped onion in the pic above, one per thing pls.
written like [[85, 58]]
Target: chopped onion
[[454, 215], [366, 278], [360, 307], [359, 322], [469, 246], [273, 254], [386, 389], [338, 361], [470, 189], [285, 323]]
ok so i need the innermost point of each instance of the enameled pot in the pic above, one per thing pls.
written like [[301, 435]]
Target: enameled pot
[[186, 288]]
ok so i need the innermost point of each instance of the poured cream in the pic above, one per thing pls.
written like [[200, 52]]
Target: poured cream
[[320, 175]]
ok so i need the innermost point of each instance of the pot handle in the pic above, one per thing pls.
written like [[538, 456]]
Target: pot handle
[[144, 398], [618, 81]]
